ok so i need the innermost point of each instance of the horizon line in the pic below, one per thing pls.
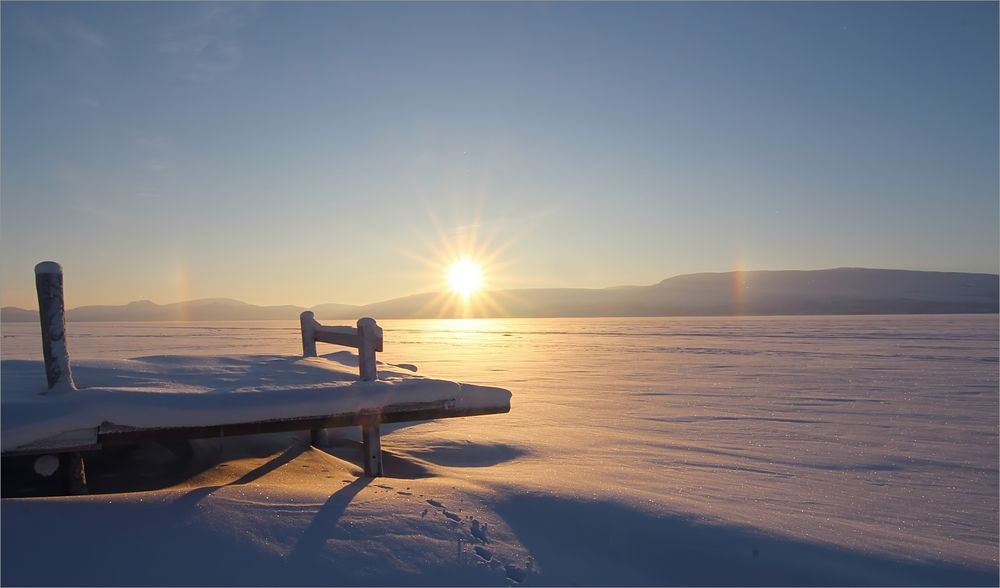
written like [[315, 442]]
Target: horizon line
[[487, 291]]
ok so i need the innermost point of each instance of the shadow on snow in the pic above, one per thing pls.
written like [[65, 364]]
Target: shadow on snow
[[576, 542]]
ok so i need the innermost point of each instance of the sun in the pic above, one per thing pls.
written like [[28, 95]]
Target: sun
[[465, 277]]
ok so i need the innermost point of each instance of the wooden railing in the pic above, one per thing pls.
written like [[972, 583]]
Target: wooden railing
[[367, 339]]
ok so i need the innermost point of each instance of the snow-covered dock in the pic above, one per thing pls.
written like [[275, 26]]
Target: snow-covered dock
[[197, 397], [166, 398]]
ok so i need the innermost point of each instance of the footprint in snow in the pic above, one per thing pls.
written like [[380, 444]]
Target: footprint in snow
[[401, 493], [451, 516], [483, 553], [434, 503], [515, 574], [478, 530]]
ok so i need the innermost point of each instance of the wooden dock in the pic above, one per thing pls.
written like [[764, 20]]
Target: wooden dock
[[72, 446]]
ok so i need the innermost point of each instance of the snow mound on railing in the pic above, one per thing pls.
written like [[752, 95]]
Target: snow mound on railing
[[191, 391]]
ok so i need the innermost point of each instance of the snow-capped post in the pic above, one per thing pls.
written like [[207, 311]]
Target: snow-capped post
[[52, 315], [370, 341], [317, 437], [308, 321]]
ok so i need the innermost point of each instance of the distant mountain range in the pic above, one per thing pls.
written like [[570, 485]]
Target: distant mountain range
[[832, 291], [207, 309]]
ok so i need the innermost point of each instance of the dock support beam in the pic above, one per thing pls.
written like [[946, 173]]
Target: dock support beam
[[318, 438], [371, 445], [74, 472]]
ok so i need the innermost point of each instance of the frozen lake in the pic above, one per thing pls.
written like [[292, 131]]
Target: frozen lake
[[877, 434]]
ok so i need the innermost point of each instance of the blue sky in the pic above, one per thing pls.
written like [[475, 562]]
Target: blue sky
[[331, 152]]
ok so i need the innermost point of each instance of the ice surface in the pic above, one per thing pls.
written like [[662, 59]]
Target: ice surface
[[747, 451]]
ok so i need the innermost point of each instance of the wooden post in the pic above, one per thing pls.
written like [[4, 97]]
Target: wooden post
[[371, 444], [75, 472], [368, 339], [317, 437], [52, 315], [369, 334], [308, 321]]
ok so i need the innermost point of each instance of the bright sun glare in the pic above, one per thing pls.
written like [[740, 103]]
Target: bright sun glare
[[465, 277]]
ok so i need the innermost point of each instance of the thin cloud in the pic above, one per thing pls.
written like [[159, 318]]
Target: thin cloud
[[504, 222], [205, 45], [90, 102], [155, 143], [83, 33], [158, 153], [158, 165], [54, 31]]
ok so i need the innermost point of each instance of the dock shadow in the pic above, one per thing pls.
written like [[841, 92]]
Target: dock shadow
[[193, 497], [587, 543], [139, 468], [151, 466], [311, 543], [469, 455]]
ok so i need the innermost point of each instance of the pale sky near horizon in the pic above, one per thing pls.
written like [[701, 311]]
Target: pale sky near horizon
[[305, 153]]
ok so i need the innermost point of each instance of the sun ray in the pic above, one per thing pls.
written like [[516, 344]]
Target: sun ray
[[465, 257]]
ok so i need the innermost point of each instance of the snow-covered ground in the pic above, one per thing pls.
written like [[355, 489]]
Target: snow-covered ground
[[809, 450]]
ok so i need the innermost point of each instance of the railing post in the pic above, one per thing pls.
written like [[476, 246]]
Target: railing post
[[52, 315], [308, 321], [369, 334]]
